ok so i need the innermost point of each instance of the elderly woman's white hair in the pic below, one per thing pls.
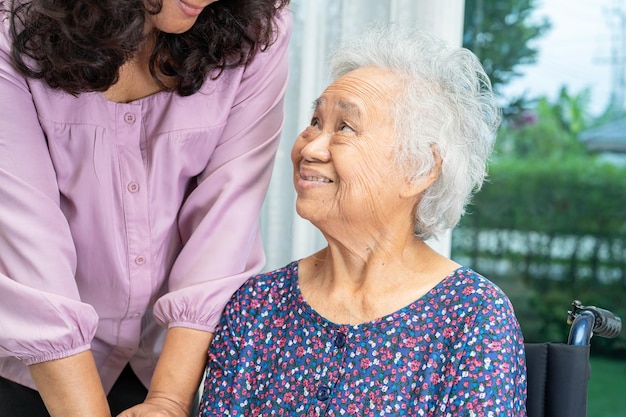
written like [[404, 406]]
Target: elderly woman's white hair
[[448, 112]]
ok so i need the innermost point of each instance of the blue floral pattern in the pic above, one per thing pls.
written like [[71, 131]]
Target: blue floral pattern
[[456, 351]]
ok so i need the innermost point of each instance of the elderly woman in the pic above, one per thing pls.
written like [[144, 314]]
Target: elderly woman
[[378, 323]]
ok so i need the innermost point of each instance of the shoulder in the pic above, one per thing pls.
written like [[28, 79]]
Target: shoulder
[[488, 349], [277, 49], [472, 301], [484, 309], [284, 25], [265, 291], [473, 289], [269, 68]]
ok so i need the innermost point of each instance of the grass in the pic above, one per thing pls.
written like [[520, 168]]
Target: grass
[[606, 394]]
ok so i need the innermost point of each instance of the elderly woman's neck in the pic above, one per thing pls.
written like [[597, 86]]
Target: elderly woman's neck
[[350, 287]]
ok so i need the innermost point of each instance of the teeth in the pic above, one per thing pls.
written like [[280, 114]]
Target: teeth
[[317, 179]]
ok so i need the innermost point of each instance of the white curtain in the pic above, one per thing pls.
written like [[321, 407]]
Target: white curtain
[[318, 26]]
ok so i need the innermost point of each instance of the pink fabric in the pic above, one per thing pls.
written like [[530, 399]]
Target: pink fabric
[[115, 217]]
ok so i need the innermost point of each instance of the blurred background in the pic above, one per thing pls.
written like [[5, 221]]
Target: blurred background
[[550, 224]]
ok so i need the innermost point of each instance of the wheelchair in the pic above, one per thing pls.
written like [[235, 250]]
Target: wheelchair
[[558, 373]]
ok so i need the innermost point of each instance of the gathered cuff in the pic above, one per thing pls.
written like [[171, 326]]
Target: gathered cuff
[[50, 356]]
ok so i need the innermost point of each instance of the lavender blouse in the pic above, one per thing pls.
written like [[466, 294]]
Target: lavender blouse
[[119, 219]]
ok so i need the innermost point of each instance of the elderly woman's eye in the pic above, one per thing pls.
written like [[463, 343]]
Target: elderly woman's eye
[[344, 127], [315, 122]]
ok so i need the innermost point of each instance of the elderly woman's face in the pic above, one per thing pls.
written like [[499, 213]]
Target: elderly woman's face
[[343, 161]]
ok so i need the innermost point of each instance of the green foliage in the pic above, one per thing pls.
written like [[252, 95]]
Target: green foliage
[[574, 196], [500, 33], [549, 231], [550, 224], [549, 130]]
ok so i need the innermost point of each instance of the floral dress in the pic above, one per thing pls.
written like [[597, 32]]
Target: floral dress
[[456, 351]]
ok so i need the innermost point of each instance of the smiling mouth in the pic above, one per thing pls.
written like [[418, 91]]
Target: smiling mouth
[[317, 179]]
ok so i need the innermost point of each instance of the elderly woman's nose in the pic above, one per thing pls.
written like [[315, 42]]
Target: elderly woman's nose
[[316, 148]]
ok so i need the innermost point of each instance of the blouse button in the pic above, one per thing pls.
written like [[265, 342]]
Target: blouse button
[[323, 393], [340, 340], [133, 187], [129, 118], [140, 260]]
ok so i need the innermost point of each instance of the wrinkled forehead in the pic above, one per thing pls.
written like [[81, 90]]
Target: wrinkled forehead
[[362, 89]]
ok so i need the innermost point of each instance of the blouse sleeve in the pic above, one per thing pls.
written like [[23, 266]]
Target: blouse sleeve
[[219, 221], [42, 315], [491, 372]]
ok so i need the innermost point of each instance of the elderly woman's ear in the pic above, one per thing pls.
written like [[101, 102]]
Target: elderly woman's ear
[[416, 186]]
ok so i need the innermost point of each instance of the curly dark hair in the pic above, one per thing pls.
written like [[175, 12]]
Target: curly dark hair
[[79, 45]]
